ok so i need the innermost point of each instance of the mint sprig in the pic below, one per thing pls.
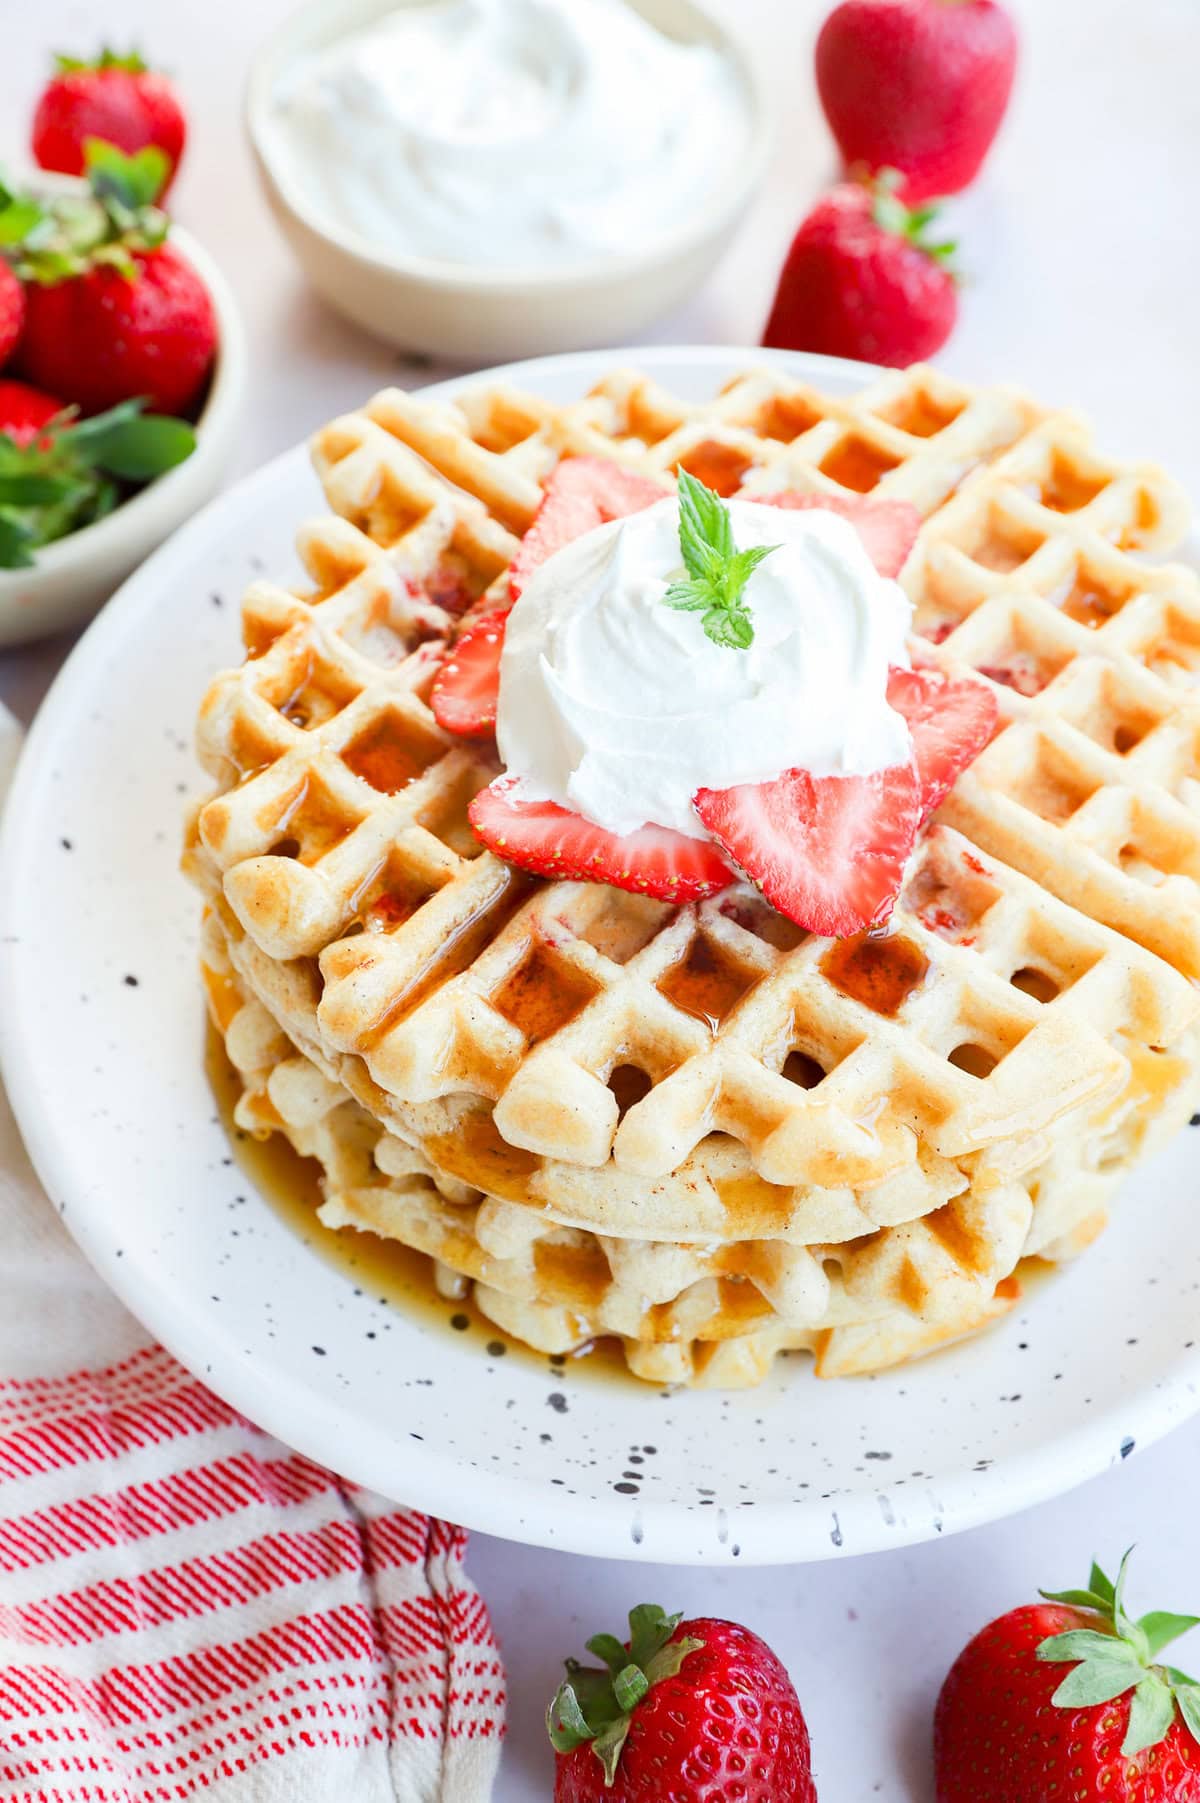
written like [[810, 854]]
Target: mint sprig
[[73, 472], [717, 573], [1118, 1656]]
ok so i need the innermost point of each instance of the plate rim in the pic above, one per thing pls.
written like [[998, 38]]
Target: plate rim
[[516, 1509]]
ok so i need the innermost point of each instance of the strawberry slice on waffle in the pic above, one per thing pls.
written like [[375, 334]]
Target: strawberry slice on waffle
[[553, 842]]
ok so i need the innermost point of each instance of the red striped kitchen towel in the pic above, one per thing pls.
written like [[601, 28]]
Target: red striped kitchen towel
[[188, 1608]]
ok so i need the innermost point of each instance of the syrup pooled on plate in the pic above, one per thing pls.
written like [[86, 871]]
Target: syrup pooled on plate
[[396, 1274]]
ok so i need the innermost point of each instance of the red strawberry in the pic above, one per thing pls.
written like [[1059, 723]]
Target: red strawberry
[[827, 851], [467, 687], [1011, 1728], [105, 335], [115, 98], [581, 493], [12, 312], [950, 721], [861, 280], [553, 842], [888, 529], [917, 85], [24, 411], [688, 1712]]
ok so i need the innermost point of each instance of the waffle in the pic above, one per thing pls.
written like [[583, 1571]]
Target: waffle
[[640, 1073], [684, 1313]]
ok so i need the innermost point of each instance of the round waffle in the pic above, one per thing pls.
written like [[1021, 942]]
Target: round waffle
[[650, 1076]]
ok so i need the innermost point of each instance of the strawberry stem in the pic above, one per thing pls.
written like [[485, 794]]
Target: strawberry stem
[[595, 1707], [1118, 1657], [910, 223]]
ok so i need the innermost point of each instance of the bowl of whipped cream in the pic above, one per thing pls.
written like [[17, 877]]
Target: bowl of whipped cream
[[481, 179]]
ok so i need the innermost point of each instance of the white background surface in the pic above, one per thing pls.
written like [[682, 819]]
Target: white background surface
[[1083, 256]]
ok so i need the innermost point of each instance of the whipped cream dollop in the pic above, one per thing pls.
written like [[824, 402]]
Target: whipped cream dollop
[[518, 132], [620, 707]]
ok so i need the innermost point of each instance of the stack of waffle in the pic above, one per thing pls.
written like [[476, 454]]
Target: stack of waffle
[[698, 1129]]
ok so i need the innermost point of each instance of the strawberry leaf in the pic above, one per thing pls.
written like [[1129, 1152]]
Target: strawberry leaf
[[1150, 1715], [1188, 1698], [598, 1706], [1080, 1599], [135, 181], [1160, 1628], [132, 63], [1085, 1643], [1096, 1681], [1101, 1584], [18, 217]]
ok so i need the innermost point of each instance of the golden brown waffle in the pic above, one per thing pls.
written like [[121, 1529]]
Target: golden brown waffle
[[645, 1073], [559, 1288]]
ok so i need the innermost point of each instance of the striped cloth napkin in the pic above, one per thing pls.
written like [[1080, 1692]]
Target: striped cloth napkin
[[188, 1608]]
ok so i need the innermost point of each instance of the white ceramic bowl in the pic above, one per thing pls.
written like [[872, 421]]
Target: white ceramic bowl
[[75, 576], [478, 316]]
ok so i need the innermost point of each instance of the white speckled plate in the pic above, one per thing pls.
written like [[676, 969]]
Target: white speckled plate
[[101, 1022]]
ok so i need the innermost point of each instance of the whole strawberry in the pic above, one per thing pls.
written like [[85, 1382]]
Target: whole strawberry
[[689, 1711], [917, 85], [1010, 1728], [12, 312], [112, 309], [114, 98], [862, 279], [24, 411]]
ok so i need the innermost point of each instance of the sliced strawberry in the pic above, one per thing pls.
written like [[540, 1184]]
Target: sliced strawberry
[[950, 720], [553, 842], [826, 851], [581, 493], [888, 529], [467, 687]]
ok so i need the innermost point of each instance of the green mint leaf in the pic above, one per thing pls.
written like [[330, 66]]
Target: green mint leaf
[[704, 525], [17, 541], [136, 447], [1085, 1643], [1188, 1698], [717, 572], [1160, 1628], [1097, 1681], [690, 596], [34, 490], [741, 567], [729, 628], [1150, 1716]]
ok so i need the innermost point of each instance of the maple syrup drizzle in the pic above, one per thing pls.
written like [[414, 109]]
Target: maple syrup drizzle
[[706, 983], [388, 757], [459, 949], [881, 970], [399, 1276]]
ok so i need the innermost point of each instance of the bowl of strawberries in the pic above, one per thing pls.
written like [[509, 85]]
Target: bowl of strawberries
[[122, 367]]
